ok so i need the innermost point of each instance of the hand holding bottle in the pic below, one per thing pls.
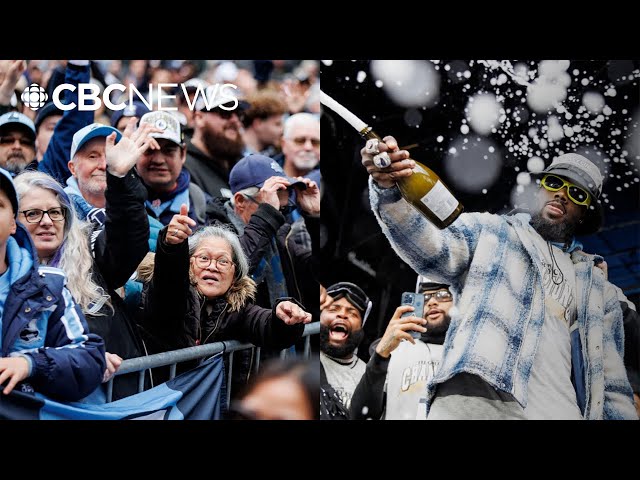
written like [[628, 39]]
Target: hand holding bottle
[[401, 165]]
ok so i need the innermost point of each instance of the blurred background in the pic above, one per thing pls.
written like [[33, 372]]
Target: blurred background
[[482, 126]]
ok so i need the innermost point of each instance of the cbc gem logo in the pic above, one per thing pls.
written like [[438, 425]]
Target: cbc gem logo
[[34, 96]]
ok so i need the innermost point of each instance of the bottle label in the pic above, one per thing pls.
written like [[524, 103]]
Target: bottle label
[[440, 201]]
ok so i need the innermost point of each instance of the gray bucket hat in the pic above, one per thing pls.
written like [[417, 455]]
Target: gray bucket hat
[[584, 173]]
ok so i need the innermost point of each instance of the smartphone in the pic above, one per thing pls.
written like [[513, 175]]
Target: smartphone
[[416, 300]]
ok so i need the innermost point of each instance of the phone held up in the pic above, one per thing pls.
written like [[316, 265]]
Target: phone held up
[[416, 300]]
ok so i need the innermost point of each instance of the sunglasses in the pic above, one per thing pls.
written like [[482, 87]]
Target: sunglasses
[[227, 114], [300, 141], [441, 296], [21, 140], [576, 194]]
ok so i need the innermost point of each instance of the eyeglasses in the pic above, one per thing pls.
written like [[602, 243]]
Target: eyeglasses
[[576, 194], [35, 215], [223, 264], [227, 114], [441, 296], [27, 142], [300, 141]]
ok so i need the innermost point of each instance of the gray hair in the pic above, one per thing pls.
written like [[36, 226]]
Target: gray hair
[[74, 254], [226, 234], [249, 191], [299, 119]]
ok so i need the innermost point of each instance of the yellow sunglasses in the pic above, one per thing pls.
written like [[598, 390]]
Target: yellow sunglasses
[[576, 194]]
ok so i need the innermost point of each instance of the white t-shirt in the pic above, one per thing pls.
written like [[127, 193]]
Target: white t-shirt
[[551, 394], [410, 368]]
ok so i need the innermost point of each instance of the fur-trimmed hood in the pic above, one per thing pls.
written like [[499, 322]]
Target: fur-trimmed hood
[[242, 291]]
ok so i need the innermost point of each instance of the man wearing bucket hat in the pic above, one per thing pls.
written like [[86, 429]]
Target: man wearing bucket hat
[[538, 331]]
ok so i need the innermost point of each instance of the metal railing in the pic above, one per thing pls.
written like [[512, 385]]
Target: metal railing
[[173, 357]]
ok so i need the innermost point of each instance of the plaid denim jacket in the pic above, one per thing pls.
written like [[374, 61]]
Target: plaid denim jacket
[[495, 273]]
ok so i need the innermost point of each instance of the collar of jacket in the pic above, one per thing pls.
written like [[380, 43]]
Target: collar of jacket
[[30, 286]]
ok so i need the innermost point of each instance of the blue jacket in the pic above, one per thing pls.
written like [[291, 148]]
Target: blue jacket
[[42, 322], [500, 311], [56, 157]]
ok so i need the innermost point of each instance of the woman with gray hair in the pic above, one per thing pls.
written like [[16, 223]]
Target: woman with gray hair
[[200, 292], [96, 261]]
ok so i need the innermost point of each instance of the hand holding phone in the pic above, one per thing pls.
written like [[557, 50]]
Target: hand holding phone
[[416, 300]]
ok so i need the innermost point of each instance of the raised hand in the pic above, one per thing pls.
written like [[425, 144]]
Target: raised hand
[[290, 313], [400, 166], [325, 298], [269, 191], [121, 157], [309, 198], [9, 79], [179, 229]]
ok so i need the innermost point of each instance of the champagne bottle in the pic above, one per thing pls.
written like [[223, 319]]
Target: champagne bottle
[[426, 192]]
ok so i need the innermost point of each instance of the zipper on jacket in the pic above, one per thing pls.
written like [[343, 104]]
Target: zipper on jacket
[[293, 268], [585, 357], [215, 326]]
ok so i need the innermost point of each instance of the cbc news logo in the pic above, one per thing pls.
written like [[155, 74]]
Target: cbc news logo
[[34, 96]]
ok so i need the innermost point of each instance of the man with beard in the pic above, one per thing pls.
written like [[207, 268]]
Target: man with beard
[[393, 386], [216, 144], [17, 141], [538, 333], [341, 332], [301, 144]]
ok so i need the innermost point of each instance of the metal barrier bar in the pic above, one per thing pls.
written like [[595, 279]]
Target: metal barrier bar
[[173, 357], [307, 344]]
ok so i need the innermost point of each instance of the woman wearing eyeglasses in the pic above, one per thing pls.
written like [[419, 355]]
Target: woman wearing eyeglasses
[[96, 261], [538, 332], [198, 291]]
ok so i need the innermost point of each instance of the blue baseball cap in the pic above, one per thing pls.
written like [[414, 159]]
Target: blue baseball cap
[[94, 130], [6, 184], [17, 118], [255, 169]]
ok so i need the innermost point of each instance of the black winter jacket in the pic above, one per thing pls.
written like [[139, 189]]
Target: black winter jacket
[[175, 315], [118, 248]]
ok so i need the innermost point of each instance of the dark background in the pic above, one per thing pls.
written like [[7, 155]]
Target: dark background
[[353, 246]]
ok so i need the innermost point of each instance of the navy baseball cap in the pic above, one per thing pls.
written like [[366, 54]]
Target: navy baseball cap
[[253, 170], [135, 109], [94, 130], [46, 111], [6, 184], [17, 118]]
